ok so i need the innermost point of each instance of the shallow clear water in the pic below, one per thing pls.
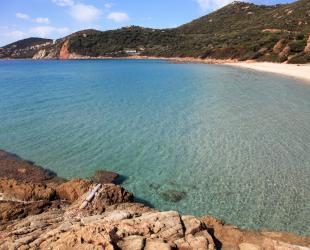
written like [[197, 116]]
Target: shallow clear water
[[237, 142]]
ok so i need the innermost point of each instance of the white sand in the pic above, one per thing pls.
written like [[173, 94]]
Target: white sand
[[301, 71]]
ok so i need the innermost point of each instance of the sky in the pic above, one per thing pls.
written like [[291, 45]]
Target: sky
[[56, 18]]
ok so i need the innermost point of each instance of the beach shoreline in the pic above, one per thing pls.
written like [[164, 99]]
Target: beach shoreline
[[297, 71]]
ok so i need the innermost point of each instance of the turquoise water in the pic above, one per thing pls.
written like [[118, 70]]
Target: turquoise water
[[234, 142]]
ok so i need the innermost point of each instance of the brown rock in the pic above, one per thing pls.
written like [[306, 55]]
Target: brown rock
[[64, 51], [14, 167], [156, 244], [249, 246], [26, 191], [108, 195], [133, 242], [104, 177], [278, 47], [190, 242], [12, 210], [72, 190], [285, 52], [192, 224]]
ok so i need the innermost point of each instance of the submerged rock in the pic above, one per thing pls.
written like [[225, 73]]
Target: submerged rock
[[104, 177], [112, 221], [173, 195], [14, 167]]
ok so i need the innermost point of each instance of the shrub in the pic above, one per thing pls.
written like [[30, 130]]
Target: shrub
[[297, 45], [301, 58]]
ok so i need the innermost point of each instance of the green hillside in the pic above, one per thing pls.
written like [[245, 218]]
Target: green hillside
[[239, 30]]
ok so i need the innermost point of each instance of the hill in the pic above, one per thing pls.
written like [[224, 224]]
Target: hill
[[239, 30], [24, 48]]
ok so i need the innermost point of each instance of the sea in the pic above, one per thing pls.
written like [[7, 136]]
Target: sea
[[200, 139]]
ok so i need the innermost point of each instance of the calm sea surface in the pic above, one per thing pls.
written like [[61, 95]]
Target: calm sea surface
[[235, 143]]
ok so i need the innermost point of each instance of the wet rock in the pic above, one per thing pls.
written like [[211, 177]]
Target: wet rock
[[72, 190], [104, 177], [173, 195], [14, 167], [26, 191]]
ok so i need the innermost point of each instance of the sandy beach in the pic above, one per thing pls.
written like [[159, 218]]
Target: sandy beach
[[300, 71]]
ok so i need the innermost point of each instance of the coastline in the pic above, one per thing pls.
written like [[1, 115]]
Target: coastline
[[39, 210], [298, 71]]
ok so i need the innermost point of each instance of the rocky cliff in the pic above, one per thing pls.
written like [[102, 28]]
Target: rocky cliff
[[39, 210]]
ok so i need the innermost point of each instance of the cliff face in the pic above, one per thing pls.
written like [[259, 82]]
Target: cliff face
[[241, 31], [81, 214]]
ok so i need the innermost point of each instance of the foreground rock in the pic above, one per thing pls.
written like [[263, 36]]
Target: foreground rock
[[66, 215], [14, 167]]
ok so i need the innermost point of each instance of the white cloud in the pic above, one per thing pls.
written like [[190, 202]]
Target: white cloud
[[22, 16], [84, 13], [208, 5], [118, 17], [64, 2], [44, 20], [108, 5], [47, 31]]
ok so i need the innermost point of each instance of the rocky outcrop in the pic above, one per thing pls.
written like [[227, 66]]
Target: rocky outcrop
[[52, 217], [14, 167], [73, 189], [26, 191], [40, 54], [230, 237], [103, 177], [278, 47], [64, 51]]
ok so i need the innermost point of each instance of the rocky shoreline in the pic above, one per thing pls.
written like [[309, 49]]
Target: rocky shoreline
[[39, 210]]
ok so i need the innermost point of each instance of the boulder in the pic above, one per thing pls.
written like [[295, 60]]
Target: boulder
[[192, 224], [12, 210], [133, 242], [104, 177], [73, 190], [26, 191], [14, 167]]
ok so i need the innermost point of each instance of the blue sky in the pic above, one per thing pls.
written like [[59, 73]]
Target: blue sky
[[56, 18]]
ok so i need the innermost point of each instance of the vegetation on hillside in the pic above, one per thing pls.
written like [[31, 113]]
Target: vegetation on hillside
[[24, 48], [239, 30]]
